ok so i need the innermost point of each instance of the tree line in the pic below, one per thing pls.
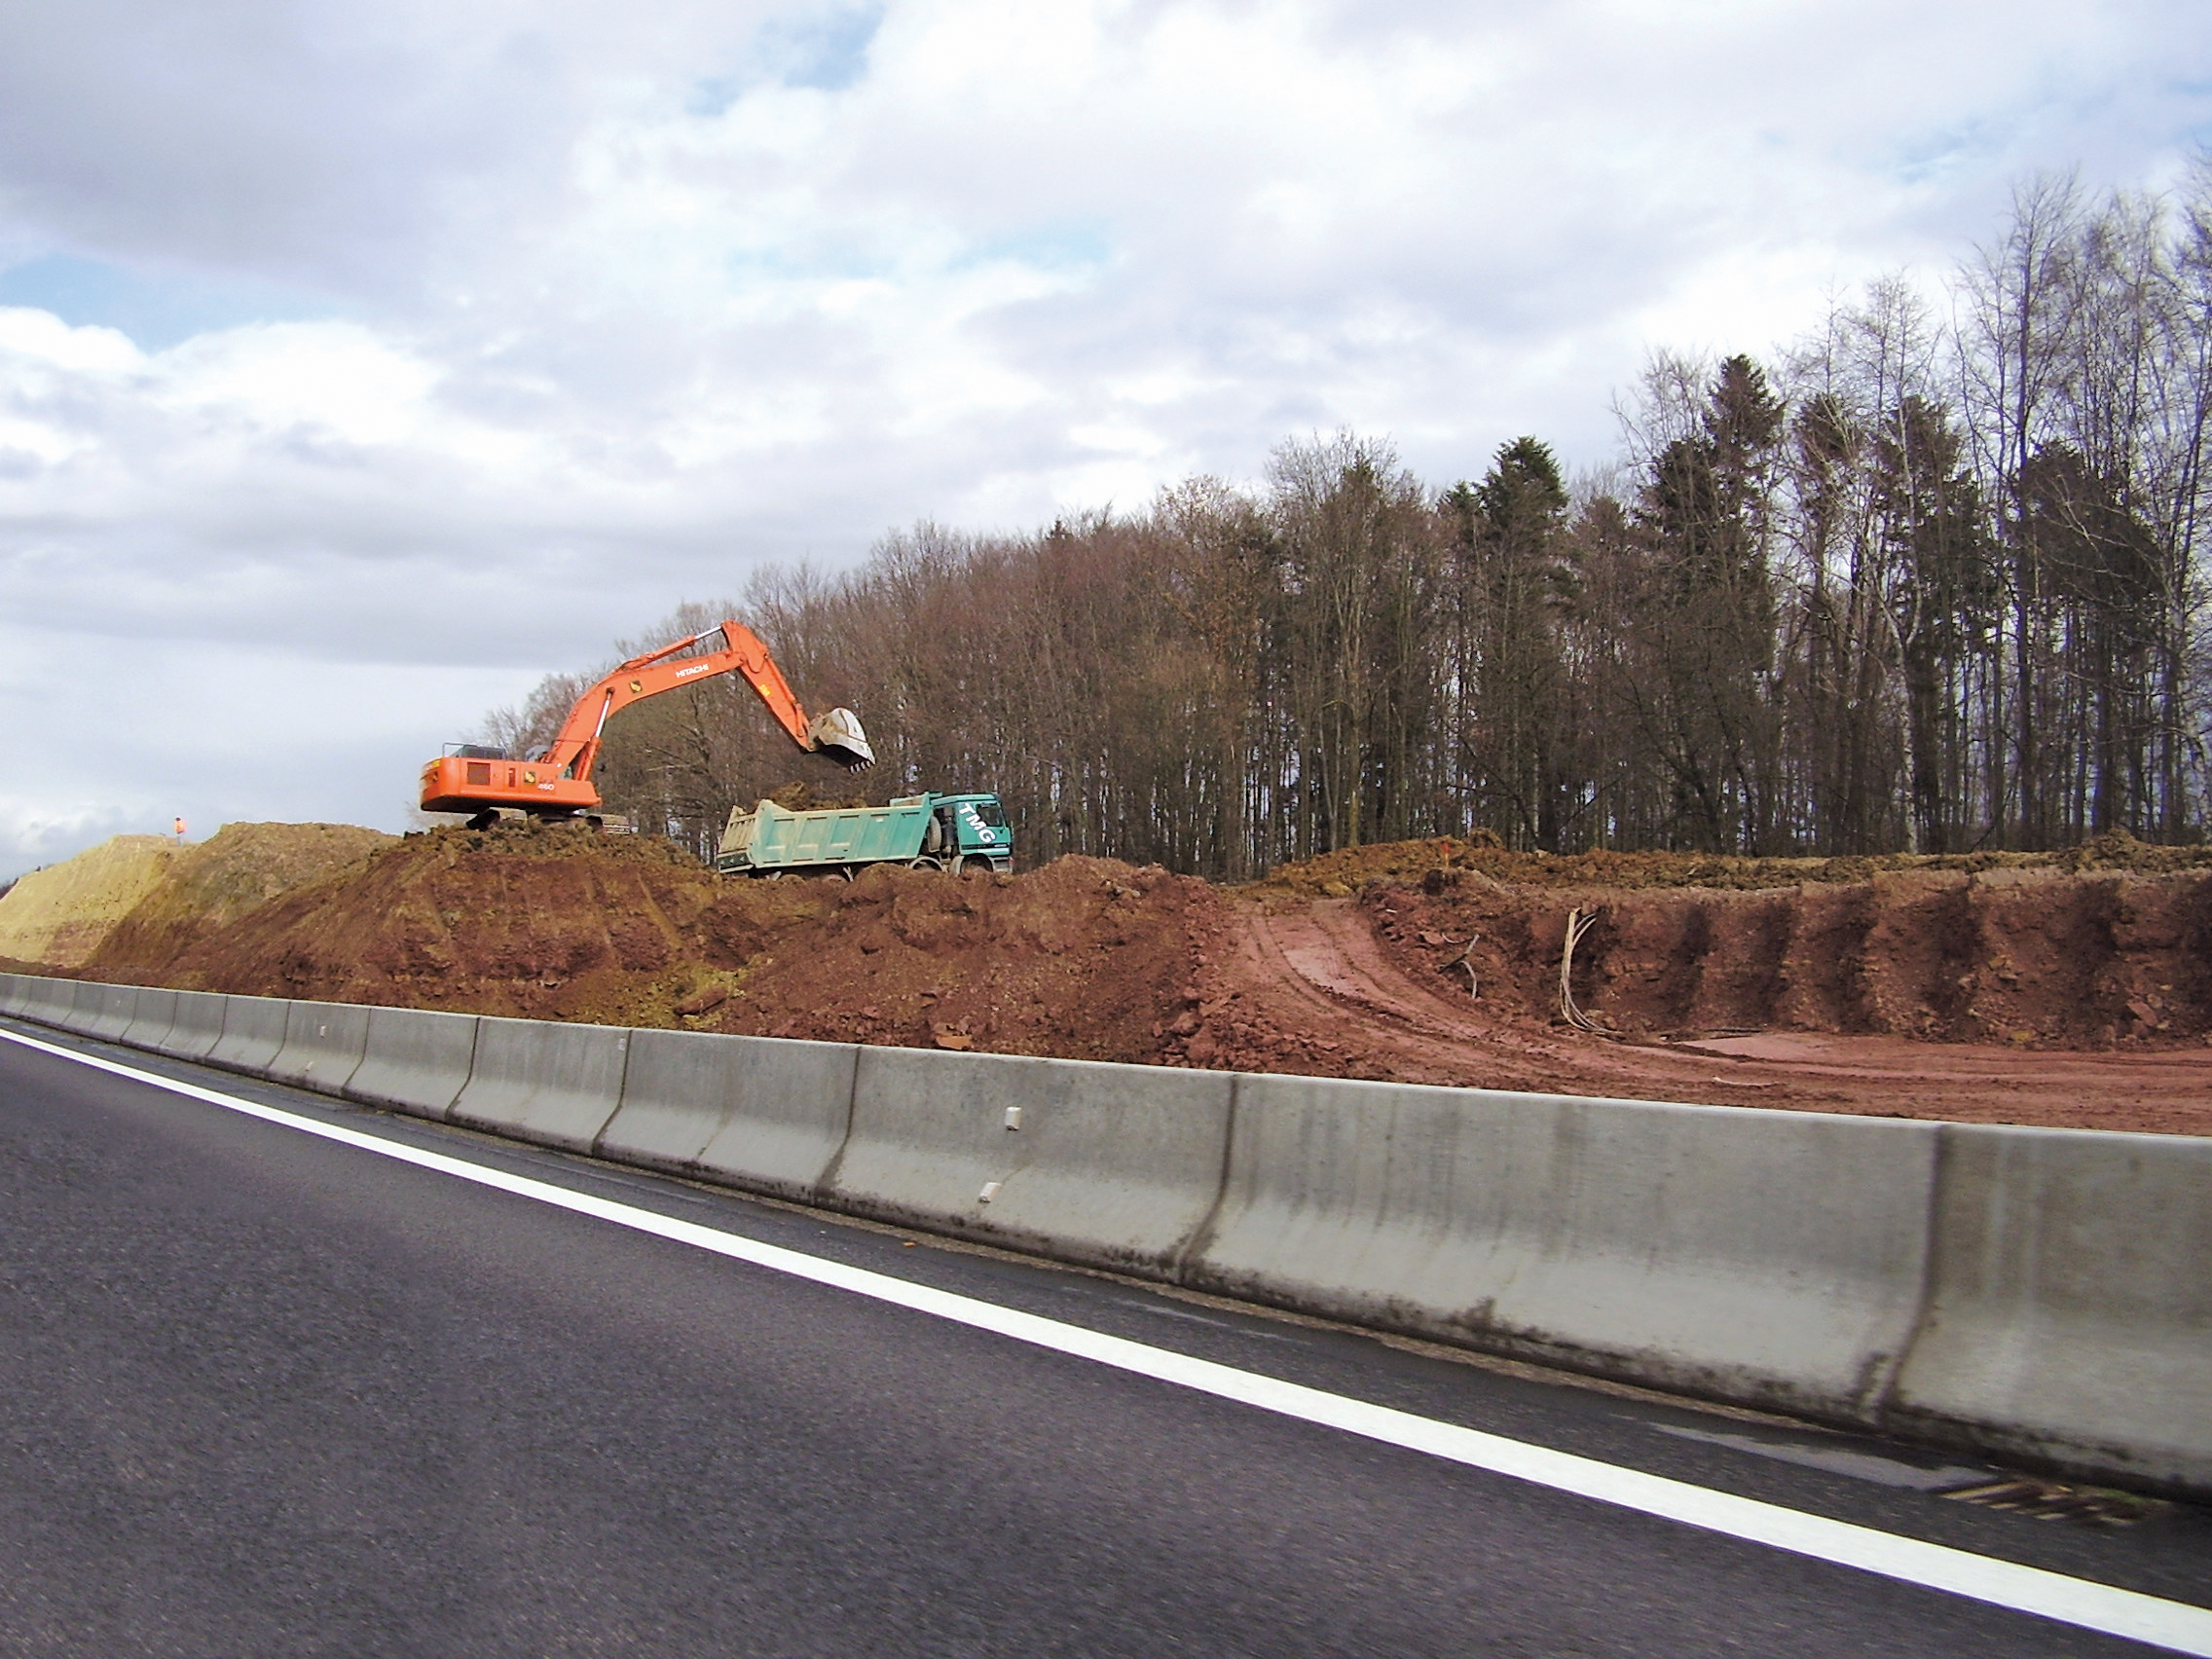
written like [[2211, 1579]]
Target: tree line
[[1930, 579]]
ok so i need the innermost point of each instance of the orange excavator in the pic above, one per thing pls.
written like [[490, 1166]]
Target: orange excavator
[[557, 783]]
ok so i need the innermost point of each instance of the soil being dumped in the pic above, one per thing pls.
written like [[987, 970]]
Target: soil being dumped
[[2060, 990]]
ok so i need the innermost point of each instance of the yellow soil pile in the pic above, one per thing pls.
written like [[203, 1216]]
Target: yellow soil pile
[[232, 873], [57, 917]]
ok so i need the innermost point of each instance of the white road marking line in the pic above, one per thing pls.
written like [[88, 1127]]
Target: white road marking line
[[2177, 1626]]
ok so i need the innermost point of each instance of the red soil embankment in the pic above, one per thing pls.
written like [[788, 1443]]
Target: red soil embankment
[[2056, 990]]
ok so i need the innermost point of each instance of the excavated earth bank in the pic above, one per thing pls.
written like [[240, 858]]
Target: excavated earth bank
[[2067, 989]]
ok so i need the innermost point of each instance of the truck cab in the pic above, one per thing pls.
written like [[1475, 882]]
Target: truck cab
[[966, 832]]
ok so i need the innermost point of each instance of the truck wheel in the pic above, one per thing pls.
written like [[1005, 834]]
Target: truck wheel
[[923, 864], [974, 864]]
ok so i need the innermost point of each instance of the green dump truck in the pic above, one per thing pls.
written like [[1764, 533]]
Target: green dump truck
[[963, 832]]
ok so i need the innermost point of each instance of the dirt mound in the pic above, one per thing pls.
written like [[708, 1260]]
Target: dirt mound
[[207, 887], [1083, 958], [519, 919], [58, 916]]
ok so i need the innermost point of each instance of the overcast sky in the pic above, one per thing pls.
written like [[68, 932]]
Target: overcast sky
[[360, 362]]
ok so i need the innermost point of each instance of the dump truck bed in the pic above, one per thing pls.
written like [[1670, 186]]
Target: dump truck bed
[[771, 837]]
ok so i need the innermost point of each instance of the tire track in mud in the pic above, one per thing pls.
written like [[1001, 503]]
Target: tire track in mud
[[1314, 977], [1311, 987]]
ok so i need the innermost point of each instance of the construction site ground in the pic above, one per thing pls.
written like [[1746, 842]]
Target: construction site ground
[[2069, 989]]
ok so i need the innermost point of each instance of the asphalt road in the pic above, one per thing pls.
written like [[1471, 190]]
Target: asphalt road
[[264, 1394]]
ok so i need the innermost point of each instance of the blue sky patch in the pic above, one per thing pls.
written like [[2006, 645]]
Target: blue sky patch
[[156, 311], [824, 48], [1060, 246]]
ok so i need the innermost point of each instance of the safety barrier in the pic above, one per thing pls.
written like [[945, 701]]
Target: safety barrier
[[42, 999], [253, 1034], [414, 1060], [58, 997], [763, 1113], [2070, 1302], [556, 1084], [2029, 1292], [85, 1001], [323, 1043], [103, 1011], [1110, 1166], [1773, 1258], [152, 1020], [195, 1027]]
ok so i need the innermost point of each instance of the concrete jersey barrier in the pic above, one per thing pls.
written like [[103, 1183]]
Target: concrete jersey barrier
[[82, 1002], [50, 1000], [766, 1114], [155, 1016], [15, 990], [253, 1034], [1769, 1257], [414, 1059], [2069, 1313], [195, 1026], [50, 1003], [105, 1011], [556, 1085], [57, 1006], [42, 1000], [1112, 1166], [322, 1045]]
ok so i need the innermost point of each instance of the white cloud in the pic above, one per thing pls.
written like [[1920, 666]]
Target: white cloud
[[593, 306]]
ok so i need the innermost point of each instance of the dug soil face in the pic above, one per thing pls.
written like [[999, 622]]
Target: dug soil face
[[1353, 989], [2060, 991]]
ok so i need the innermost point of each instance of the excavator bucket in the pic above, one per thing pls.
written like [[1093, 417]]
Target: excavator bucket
[[838, 734]]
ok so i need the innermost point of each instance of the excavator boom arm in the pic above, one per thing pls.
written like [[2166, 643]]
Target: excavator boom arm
[[575, 750], [559, 783]]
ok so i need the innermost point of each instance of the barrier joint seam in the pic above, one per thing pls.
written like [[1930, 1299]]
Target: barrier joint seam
[[621, 1092], [1881, 1401], [1201, 1238]]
